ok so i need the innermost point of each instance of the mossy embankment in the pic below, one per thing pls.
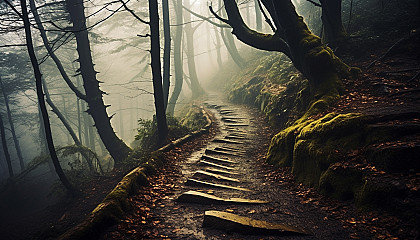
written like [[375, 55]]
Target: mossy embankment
[[346, 155]]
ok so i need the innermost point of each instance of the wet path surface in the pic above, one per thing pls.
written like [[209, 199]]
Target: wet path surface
[[213, 178]]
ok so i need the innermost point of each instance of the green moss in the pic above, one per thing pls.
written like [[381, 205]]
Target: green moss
[[310, 146], [193, 119]]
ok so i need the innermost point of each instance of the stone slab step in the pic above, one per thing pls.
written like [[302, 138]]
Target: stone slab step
[[220, 171], [210, 151], [207, 175], [198, 183], [224, 111], [227, 120], [244, 225], [225, 149], [237, 125], [233, 137], [203, 162], [221, 160], [217, 140], [233, 118], [243, 136], [204, 198]]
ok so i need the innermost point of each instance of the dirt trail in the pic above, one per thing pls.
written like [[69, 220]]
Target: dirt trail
[[234, 149]]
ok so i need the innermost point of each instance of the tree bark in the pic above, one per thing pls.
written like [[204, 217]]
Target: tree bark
[[231, 47], [192, 71], [218, 46], [12, 127], [333, 24], [97, 109], [156, 72], [258, 16], [5, 148], [166, 52], [316, 61], [65, 123], [178, 62], [40, 95]]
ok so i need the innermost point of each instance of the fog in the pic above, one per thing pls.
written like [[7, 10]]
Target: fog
[[120, 49]]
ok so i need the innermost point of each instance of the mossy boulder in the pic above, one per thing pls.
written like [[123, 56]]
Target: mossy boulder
[[311, 146], [341, 182], [395, 158], [383, 193]]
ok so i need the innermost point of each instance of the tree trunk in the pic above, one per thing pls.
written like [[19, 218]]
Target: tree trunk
[[12, 127], [258, 16], [64, 113], [66, 124], [40, 96], [316, 61], [178, 61], [309, 55], [97, 109], [166, 52], [231, 47], [5, 148], [333, 24], [192, 71], [43, 142], [156, 72], [218, 46], [230, 44]]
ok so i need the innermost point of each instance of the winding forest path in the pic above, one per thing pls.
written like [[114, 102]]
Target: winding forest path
[[204, 187]]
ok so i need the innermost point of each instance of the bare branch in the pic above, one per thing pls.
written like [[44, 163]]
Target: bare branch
[[206, 19], [132, 12], [251, 37], [12, 45], [13, 8], [314, 3], [217, 16], [267, 19]]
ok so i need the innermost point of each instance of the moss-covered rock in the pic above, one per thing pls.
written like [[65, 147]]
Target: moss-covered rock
[[310, 146], [341, 182]]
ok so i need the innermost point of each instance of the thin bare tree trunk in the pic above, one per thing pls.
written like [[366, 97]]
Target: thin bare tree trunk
[[5, 148], [156, 72], [179, 72], [12, 127], [40, 95], [166, 52], [192, 71]]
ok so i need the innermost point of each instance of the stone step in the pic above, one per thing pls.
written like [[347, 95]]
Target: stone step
[[229, 149], [217, 140], [233, 147], [198, 183], [203, 162], [207, 175], [225, 110], [210, 151], [244, 225], [220, 171], [228, 120], [204, 198], [233, 118], [233, 137], [237, 125], [221, 160]]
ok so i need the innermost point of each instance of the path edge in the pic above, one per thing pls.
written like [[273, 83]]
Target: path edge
[[111, 210]]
